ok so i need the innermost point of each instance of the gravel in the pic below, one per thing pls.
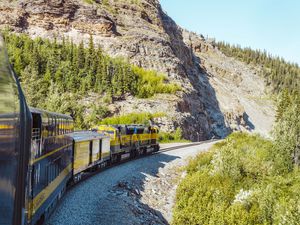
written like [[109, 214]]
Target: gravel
[[137, 192]]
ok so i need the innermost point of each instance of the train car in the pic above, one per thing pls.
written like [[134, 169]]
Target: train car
[[15, 121], [91, 150], [128, 141], [51, 162]]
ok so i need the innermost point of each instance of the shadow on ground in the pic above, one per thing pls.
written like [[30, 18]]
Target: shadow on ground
[[113, 196]]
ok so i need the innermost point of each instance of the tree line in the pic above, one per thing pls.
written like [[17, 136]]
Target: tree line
[[56, 75], [278, 73]]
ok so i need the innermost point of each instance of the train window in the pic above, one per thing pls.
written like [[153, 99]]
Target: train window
[[50, 126], [59, 126], [49, 173], [63, 125], [67, 126], [55, 170], [37, 173], [44, 125], [72, 125], [55, 126]]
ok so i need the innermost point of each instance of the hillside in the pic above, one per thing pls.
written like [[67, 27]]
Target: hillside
[[218, 93]]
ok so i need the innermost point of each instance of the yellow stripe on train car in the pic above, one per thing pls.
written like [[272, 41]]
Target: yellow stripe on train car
[[50, 153], [39, 200], [114, 142], [6, 127], [144, 137]]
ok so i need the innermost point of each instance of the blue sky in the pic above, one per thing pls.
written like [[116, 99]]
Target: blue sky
[[273, 25]]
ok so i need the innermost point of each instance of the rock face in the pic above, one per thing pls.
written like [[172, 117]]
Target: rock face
[[219, 94]]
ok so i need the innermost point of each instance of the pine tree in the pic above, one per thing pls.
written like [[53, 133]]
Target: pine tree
[[81, 56]]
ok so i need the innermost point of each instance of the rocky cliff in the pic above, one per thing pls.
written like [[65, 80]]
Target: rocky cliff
[[219, 93]]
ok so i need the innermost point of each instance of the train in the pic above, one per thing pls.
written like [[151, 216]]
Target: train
[[41, 154]]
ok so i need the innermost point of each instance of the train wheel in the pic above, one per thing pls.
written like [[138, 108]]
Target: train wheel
[[133, 153]]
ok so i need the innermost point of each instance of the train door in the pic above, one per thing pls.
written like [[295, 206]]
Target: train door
[[96, 150], [36, 134], [35, 169]]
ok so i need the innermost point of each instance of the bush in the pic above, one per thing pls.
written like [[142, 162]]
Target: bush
[[238, 182], [132, 118], [176, 136], [151, 83], [287, 129]]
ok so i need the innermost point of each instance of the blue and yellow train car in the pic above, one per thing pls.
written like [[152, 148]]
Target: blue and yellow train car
[[15, 120], [50, 166]]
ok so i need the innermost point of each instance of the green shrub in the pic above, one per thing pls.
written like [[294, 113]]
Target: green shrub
[[238, 182], [287, 129], [176, 136], [151, 83], [132, 118]]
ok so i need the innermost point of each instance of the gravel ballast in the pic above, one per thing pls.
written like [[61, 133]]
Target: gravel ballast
[[141, 191]]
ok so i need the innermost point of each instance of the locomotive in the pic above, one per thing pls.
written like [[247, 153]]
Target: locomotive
[[41, 155]]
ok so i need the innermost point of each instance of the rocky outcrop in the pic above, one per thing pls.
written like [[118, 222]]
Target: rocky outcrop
[[219, 94]]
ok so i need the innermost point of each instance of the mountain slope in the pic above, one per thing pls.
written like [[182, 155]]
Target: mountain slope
[[219, 94]]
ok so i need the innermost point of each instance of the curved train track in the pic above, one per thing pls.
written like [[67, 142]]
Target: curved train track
[[89, 174]]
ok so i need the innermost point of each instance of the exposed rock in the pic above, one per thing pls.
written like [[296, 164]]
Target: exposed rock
[[219, 94]]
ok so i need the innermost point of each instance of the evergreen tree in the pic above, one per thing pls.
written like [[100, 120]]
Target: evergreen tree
[[59, 71]]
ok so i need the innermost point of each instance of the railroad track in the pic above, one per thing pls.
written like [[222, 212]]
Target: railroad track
[[89, 174], [182, 146]]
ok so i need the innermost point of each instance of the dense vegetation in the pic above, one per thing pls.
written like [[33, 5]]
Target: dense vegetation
[[278, 73], [239, 182], [57, 75], [173, 137], [132, 118], [247, 179]]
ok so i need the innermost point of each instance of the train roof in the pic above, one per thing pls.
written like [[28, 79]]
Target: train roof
[[41, 111], [86, 136]]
